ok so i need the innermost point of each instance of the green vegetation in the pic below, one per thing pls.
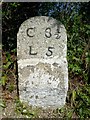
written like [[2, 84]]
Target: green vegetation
[[2, 104], [25, 110], [76, 18]]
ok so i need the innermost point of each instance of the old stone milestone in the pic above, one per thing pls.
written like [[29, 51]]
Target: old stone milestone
[[42, 63]]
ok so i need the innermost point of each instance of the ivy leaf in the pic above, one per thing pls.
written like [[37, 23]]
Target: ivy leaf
[[3, 80]]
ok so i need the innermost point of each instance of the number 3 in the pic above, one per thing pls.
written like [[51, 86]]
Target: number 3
[[48, 32]]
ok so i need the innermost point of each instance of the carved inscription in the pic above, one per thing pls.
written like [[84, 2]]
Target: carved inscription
[[30, 51], [48, 33], [30, 32], [49, 51]]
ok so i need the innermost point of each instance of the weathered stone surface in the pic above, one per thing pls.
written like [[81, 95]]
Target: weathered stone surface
[[42, 63]]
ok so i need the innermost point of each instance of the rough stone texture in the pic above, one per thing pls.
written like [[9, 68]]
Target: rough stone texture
[[42, 63]]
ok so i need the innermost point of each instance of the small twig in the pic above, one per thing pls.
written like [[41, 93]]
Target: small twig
[[89, 62]]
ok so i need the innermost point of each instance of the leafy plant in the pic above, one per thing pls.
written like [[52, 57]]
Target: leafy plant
[[78, 104], [2, 104], [11, 87], [22, 108], [8, 65], [3, 80], [83, 102]]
